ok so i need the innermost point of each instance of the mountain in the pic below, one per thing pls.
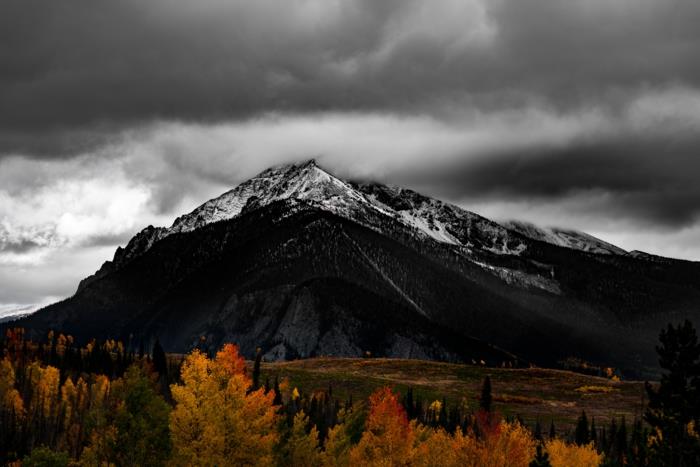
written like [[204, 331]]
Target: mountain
[[301, 263], [565, 237]]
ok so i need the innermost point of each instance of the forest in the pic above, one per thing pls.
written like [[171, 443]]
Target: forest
[[106, 404]]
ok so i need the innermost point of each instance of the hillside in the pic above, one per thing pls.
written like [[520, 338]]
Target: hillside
[[533, 393]]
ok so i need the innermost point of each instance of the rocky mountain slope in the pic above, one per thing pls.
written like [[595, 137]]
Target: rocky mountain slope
[[302, 264]]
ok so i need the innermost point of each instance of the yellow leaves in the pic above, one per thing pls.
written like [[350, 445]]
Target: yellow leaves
[[99, 390], [508, 445], [304, 448], [295, 394], [512, 446], [435, 408], [69, 396], [7, 376], [215, 420], [562, 454], [45, 382], [337, 448], [390, 439], [10, 399], [436, 449]]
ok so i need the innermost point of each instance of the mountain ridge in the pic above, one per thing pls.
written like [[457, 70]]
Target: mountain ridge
[[306, 180], [304, 264]]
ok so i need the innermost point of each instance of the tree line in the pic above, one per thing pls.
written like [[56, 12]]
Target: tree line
[[102, 404]]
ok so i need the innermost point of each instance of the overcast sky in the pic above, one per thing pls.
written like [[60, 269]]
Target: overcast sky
[[119, 114]]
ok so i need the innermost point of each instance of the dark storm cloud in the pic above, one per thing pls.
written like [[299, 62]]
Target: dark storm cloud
[[72, 72], [649, 179], [116, 114], [20, 246]]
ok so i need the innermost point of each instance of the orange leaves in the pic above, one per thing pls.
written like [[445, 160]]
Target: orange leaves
[[386, 413], [230, 361], [389, 437]]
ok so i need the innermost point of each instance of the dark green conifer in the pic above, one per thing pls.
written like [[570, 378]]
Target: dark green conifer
[[582, 435]]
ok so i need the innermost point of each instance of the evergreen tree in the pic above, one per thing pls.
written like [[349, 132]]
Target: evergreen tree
[[538, 431], [160, 361], [541, 458], [612, 436], [409, 404], [594, 432], [674, 408], [256, 369], [141, 422], [443, 413], [582, 435], [278, 394], [621, 440], [638, 445], [552, 430], [486, 397]]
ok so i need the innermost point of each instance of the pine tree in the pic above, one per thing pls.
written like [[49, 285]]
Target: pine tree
[[541, 458], [256, 369], [638, 445], [160, 361], [538, 431], [582, 435], [141, 422], [594, 432], [409, 404], [552, 431], [486, 397], [610, 440], [674, 408], [621, 441]]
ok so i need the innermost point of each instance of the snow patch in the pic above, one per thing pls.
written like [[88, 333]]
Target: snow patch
[[565, 238]]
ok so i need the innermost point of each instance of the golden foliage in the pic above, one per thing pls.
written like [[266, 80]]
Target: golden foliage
[[337, 446], [10, 399], [562, 454], [215, 420], [304, 450]]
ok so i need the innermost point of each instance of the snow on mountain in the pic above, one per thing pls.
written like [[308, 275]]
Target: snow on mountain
[[565, 238], [10, 312], [308, 182], [364, 203], [442, 221]]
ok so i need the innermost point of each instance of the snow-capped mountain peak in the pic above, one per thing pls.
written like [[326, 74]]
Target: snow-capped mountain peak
[[373, 205], [304, 181], [311, 184]]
